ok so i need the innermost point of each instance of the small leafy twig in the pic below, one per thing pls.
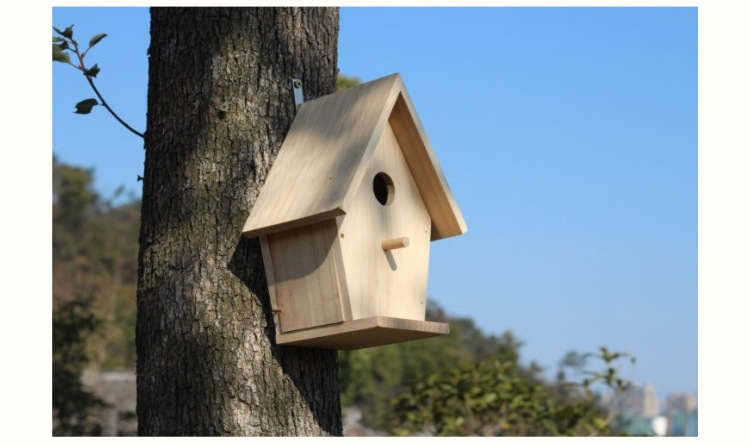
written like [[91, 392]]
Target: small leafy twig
[[66, 42], [609, 377]]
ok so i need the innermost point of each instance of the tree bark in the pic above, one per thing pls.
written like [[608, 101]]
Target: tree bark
[[219, 105]]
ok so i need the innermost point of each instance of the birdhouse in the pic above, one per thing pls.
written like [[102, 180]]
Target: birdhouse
[[345, 220]]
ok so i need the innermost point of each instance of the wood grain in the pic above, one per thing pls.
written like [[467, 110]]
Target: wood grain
[[326, 154], [321, 155], [364, 333], [391, 283], [446, 217], [305, 282], [337, 274]]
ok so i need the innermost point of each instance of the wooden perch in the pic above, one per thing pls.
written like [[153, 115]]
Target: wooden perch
[[395, 243]]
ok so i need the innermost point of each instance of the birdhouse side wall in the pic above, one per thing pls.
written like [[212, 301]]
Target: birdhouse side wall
[[304, 273], [380, 282]]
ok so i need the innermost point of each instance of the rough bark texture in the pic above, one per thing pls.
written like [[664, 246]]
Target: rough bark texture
[[219, 106]]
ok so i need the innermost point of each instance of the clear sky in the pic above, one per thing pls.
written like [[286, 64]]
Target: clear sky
[[569, 138]]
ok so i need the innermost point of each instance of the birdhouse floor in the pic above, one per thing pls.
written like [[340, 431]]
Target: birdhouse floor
[[363, 333]]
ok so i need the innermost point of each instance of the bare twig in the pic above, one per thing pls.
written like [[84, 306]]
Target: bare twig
[[104, 103]]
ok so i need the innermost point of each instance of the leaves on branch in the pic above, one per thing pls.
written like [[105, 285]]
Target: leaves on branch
[[58, 55], [94, 40], [93, 71], [344, 82], [84, 107], [494, 397], [68, 32]]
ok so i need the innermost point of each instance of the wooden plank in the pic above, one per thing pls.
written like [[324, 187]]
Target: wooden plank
[[306, 286], [363, 333], [343, 288], [386, 283], [322, 157], [292, 224], [437, 195], [270, 280]]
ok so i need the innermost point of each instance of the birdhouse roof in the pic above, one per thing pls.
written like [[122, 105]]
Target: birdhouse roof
[[325, 155]]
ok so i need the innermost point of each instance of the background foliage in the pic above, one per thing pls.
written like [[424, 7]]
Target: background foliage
[[94, 273], [469, 383]]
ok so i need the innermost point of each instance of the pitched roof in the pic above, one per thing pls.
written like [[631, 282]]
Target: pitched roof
[[327, 150]]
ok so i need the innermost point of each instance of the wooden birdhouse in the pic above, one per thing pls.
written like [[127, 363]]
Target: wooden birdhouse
[[345, 219]]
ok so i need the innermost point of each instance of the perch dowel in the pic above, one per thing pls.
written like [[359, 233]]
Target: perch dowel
[[395, 243]]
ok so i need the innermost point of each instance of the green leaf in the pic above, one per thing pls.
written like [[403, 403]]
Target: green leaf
[[84, 107], [57, 39], [94, 40], [93, 71], [58, 55], [600, 423], [57, 30], [68, 32]]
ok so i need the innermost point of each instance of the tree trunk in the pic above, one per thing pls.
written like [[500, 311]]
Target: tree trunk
[[219, 105]]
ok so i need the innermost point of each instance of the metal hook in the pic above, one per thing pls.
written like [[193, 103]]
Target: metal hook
[[298, 94]]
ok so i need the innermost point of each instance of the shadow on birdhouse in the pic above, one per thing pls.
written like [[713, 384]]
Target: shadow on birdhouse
[[346, 217]]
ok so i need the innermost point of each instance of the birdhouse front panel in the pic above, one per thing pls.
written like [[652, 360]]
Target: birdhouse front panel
[[385, 238]]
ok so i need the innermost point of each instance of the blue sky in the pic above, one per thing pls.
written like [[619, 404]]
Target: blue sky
[[568, 136]]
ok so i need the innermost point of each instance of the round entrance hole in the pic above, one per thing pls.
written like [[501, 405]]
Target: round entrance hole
[[382, 187]]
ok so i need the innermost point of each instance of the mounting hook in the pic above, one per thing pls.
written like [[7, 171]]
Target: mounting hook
[[298, 95]]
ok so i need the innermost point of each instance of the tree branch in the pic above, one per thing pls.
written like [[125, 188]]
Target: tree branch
[[68, 39], [104, 103]]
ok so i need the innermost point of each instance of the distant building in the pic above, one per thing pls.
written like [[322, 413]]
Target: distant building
[[681, 401], [681, 411], [650, 401], [638, 408], [639, 402], [644, 426], [118, 390], [637, 426], [682, 423]]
